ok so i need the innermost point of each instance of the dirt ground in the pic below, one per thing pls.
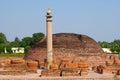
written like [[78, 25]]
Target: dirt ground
[[91, 76]]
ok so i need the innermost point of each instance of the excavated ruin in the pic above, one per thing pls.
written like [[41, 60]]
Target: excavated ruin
[[69, 46]]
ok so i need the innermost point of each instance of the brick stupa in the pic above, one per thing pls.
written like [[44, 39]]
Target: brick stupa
[[69, 46]]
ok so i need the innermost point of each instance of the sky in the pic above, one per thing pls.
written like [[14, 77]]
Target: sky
[[98, 19]]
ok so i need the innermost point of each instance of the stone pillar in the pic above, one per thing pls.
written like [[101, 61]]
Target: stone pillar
[[49, 38]]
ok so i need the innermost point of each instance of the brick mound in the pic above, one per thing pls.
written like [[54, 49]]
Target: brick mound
[[69, 46]]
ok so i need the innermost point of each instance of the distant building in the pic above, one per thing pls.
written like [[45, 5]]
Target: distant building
[[17, 50], [107, 50], [5, 51]]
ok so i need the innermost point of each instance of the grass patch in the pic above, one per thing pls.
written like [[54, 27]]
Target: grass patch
[[119, 57], [12, 54]]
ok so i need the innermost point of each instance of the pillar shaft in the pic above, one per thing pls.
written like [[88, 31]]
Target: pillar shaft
[[49, 38]]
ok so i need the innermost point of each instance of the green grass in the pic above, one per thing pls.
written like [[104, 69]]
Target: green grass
[[12, 54], [119, 57]]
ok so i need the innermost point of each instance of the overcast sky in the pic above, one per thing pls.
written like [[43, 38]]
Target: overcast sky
[[99, 19]]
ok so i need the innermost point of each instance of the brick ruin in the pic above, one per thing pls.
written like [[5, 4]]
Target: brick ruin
[[73, 54], [17, 66], [69, 46], [112, 66]]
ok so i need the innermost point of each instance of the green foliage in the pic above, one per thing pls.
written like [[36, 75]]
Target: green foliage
[[27, 48], [27, 41], [15, 43], [114, 46], [119, 56], [7, 46], [2, 46], [2, 38], [37, 36], [17, 39]]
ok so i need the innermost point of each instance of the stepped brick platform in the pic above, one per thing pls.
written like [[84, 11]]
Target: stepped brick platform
[[17, 66]]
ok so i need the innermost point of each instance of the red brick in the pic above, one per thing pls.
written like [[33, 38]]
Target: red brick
[[106, 71], [109, 62], [63, 63], [118, 72], [71, 65], [94, 68], [17, 61], [32, 66], [50, 73], [54, 67], [67, 73], [82, 73], [15, 67]]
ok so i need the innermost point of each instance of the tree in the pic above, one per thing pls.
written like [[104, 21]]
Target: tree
[[27, 41], [8, 48], [37, 36], [114, 46], [16, 42], [104, 44], [2, 46], [27, 48], [3, 42], [17, 39], [2, 38]]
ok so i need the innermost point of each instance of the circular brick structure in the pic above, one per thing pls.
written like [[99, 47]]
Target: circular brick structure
[[68, 46]]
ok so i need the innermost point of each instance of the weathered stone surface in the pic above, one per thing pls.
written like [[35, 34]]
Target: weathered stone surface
[[4, 62], [50, 73], [109, 62], [54, 67], [83, 73], [67, 73], [12, 73], [42, 64], [100, 68], [15, 67], [94, 68], [106, 71], [71, 65], [32, 66], [70, 72], [118, 72], [83, 65], [63, 62], [115, 59], [17, 61]]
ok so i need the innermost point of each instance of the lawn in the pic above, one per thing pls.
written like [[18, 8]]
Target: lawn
[[12, 54]]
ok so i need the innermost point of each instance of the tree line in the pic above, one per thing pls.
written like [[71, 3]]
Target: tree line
[[113, 46], [26, 42]]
